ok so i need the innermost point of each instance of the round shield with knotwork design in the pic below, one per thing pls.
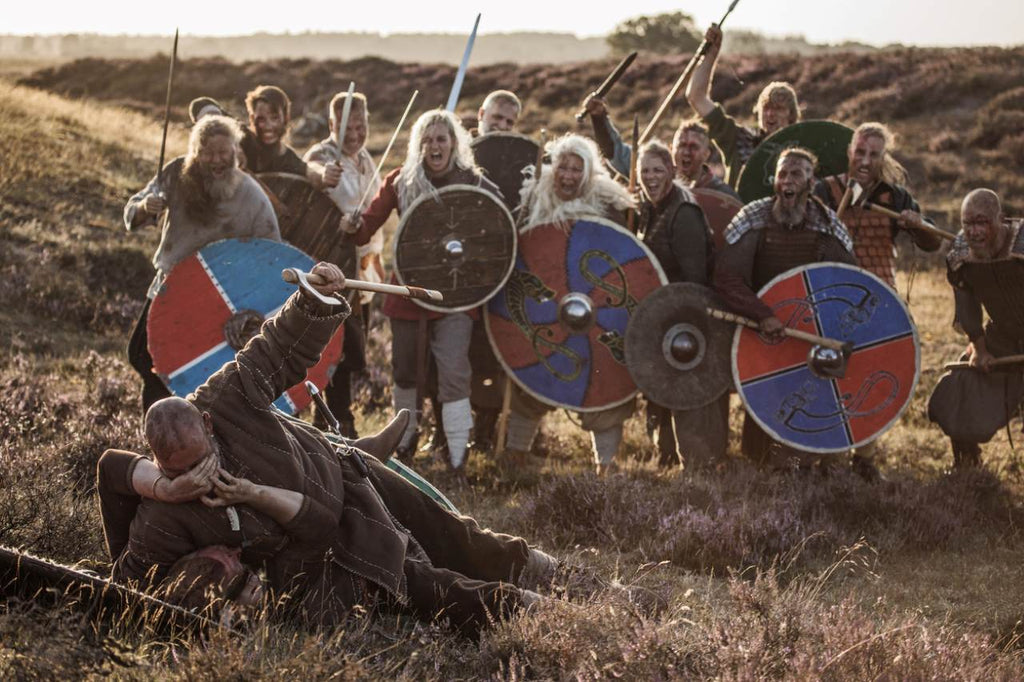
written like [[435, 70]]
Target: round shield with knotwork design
[[460, 241], [827, 139], [719, 210], [309, 219], [504, 156], [559, 324], [816, 399], [676, 353], [214, 301]]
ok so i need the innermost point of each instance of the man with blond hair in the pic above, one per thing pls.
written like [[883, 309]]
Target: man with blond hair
[[777, 107], [346, 150], [499, 113], [985, 266], [881, 179], [199, 198]]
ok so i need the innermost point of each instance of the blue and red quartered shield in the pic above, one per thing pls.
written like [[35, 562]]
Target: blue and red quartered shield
[[215, 300], [559, 324], [817, 413]]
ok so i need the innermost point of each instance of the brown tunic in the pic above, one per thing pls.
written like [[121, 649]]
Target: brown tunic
[[357, 531]]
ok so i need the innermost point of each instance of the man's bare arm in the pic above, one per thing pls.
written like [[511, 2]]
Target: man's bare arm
[[698, 91]]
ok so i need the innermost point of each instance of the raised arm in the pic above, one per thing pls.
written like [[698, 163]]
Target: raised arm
[[287, 346], [698, 91], [608, 139], [146, 205]]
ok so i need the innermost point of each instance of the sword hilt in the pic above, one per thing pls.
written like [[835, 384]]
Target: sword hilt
[[335, 427]]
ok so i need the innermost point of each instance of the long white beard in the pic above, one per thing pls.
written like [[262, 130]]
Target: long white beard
[[222, 189]]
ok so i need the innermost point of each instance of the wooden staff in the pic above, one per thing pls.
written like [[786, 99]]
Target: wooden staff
[[291, 275], [925, 227], [611, 80], [683, 80], [998, 362], [834, 344], [845, 202], [633, 157]]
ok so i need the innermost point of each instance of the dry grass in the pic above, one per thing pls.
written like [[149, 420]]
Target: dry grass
[[781, 576]]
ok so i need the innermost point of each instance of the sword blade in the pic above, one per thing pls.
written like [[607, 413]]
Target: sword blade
[[453, 97], [387, 150], [346, 109], [167, 111], [611, 80]]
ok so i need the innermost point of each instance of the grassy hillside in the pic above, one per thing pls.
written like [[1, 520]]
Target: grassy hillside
[[766, 575]]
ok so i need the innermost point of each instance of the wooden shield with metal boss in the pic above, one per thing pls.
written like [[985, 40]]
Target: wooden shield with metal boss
[[217, 299], [559, 324], [460, 241], [827, 139], [791, 388], [309, 220], [504, 156], [676, 353]]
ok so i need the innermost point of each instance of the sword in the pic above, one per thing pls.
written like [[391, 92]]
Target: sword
[[683, 79], [611, 80], [453, 97], [332, 422], [306, 281], [167, 112], [387, 150], [346, 109]]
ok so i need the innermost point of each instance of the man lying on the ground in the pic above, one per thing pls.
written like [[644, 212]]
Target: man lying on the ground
[[373, 537]]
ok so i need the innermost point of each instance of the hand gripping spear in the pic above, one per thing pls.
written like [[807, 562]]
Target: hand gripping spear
[[683, 79], [167, 112]]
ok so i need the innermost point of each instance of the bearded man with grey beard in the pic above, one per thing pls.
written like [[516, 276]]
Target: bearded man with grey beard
[[766, 238], [198, 199]]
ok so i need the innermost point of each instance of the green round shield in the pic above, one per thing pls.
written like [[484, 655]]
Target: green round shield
[[827, 139]]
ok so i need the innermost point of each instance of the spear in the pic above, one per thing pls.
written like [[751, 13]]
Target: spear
[[167, 112], [683, 79], [633, 157]]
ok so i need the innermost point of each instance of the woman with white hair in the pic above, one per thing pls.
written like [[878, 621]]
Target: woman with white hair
[[575, 186], [439, 155]]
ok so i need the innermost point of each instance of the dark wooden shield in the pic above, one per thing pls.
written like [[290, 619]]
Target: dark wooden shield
[[504, 156], [827, 139], [559, 325], [309, 220], [460, 241], [815, 412], [719, 209], [215, 300], [676, 353]]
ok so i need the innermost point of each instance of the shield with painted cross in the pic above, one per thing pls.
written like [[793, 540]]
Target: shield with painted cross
[[784, 388], [559, 324], [214, 301]]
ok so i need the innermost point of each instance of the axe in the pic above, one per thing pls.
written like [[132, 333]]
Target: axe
[[306, 280], [858, 191], [827, 356]]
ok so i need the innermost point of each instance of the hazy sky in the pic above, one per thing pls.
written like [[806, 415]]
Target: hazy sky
[[920, 22]]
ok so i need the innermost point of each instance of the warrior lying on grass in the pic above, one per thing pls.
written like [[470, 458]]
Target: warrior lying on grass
[[327, 537]]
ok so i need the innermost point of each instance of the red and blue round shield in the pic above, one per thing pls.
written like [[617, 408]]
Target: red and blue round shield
[[559, 324], [214, 301], [816, 412]]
